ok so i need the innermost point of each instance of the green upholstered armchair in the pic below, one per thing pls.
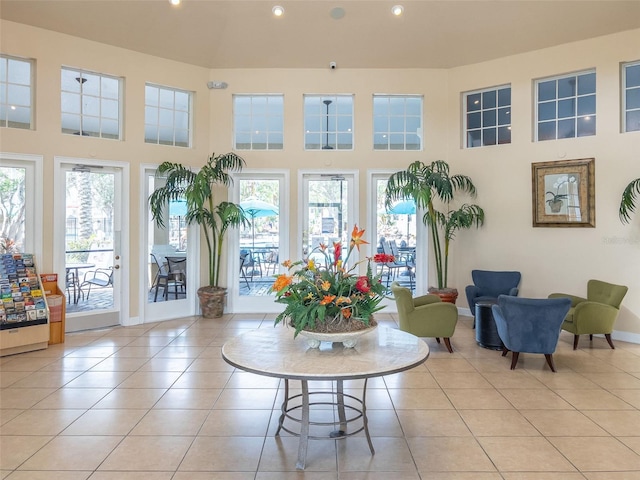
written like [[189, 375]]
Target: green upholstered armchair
[[425, 316], [595, 314]]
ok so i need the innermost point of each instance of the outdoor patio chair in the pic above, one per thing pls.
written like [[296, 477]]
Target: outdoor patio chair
[[100, 277]]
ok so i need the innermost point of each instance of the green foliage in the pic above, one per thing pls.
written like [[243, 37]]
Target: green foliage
[[630, 195], [198, 191], [429, 185]]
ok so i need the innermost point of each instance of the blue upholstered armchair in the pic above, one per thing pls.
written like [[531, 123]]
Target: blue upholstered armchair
[[488, 285], [530, 325]]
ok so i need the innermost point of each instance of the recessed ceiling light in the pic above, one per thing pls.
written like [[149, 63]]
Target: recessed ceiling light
[[278, 11], [337, 13], [174, 2], [397, 10]]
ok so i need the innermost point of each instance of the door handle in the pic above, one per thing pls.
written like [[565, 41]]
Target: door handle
[[116, 267]]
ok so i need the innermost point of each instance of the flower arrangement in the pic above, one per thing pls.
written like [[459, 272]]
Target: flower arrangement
[[331, 297]]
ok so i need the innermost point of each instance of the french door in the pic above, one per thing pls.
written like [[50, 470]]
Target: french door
[[91, 240]]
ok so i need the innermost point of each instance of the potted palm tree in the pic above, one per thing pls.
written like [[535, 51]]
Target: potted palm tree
[[197, 189], [628, 201], [431, 186]]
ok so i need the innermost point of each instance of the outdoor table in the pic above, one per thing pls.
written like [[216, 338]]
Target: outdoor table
[[274, 352], [76, 267]]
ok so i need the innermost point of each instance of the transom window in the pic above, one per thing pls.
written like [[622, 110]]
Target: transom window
[[167, 116], [328, 122], [631, 96], [16, 92], [566, 106], [258, 122], [90, 104], [397, 122], [487, 116]]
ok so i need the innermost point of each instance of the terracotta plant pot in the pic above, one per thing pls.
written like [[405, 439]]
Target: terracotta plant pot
[[449, 295], [212, 300]]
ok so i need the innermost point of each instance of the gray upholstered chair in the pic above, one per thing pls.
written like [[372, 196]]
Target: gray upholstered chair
[[425, 316], [488, 285], [530, 325]]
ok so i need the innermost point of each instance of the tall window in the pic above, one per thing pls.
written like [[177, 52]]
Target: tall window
[[16, 92], [566, 106], [631, 96], [397, 122], [258, 122], [328, 122], [91, 104], [487, 119], [167, 116]]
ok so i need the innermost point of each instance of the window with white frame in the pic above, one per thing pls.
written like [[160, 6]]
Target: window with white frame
[[487, 116], [90, 104], [258, 122], [167, 116], [631, 96], [566, 106], [397, 122], [328, 122], [16, 92]]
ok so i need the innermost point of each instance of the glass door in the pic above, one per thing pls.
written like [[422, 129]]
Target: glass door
[[89, 243]]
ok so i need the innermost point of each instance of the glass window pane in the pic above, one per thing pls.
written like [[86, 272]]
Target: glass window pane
[[110, 128], [380, 141], [3, 69], [151, 94], [489, 118], [91, 84], [587, 84], [181, 100], [243, 140], [474, 138], [19, 117], [489, 99], [70, 102], [312, 141], [474, 120], [566, 87], [165, 117], [276, 141], [110, 88], [546, 131], [473, 102], [546, 90], [504, 97], [412, 142], [181, 137], [166, 98], [632, 121], [242, 105], [165, 135], [489, 136], [69, 82], [413, 106], [396, 141], [412, 125], [633, 76], [276, 123], [90, 106], [633, 98], [586, 126], [396, 106], [504, 116], [91, 126], [258, 124], [110, 108], [380, 105], [181, 120], [151, 115], [587, 105], [70, 123], [396, 124], [150, 133], [566, 108], [19, 72], [504, 135], [546, 111], [566, 128], [344, 124], [381, 124]]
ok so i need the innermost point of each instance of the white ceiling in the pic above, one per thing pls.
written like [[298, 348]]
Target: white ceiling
[[245, 34]]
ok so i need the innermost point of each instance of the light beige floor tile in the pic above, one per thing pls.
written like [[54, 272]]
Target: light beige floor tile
[[449, 454], [41, 422], [524, 454], [377, 398], [563, 423], [513, 379], [141, 348], [542, 476], [632, 442], [237, 423], [432, 423], [563, 380], [148, 454], [632, 397], [449, 365], [222, 476], [591, 454], [45, 379], [132, 475], [497, 423], [15, 449], [621, 423], [411, 379], [8, 414], [131, 398], [105, 422], [150, 380], [119, 364], [463, 476], [477, 399], [383, 423], [9, 378], [82, 398], [171, 422], [203, 398], [633, 475], [232, 454], [23, 397], [179, 351], [24, 363], [280, 454], [461, 380], [391, 455], [48, 475], [590, 399], [619, 380], [98, 380], [72, 453], [244, 398], [530, 399], [206, 380], [245, 380], [201, 364], [419, 398], [167, 365]]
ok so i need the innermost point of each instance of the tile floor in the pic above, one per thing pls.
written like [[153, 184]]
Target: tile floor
[[157, 402]]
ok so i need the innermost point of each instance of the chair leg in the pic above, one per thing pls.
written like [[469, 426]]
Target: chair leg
[[549, 358], [514, 360], [608, 337], [438, 339], [575, 341], [591, 337], [505, 350], [447, 342]]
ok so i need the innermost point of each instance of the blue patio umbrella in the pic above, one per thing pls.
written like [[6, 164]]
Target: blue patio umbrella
[[255, 208], [177, 208], [406, 207]]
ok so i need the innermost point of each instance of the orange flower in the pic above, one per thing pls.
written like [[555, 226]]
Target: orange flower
[[327, 299], [287, 263], [356, 237], [342, 300], [346, 313], [322, 247], [326, 285], [281, 282]]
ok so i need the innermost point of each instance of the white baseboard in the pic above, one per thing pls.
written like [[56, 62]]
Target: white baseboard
[[626, 336], [131, 321]]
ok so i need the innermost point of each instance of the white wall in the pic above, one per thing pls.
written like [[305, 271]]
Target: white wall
[[559, 259]]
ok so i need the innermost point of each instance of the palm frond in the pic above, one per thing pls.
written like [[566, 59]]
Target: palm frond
[[630, 195]]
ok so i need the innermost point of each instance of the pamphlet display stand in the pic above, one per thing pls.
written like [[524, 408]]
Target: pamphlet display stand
[[57, 307]]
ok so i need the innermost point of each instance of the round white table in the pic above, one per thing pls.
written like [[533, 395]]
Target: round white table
[[274, 352]]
